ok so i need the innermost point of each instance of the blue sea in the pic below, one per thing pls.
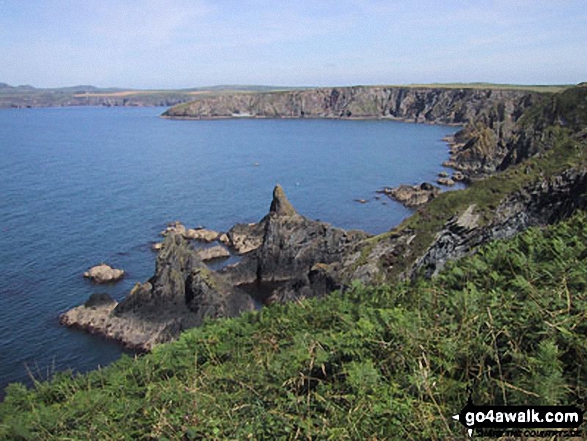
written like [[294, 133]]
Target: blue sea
[[84, 185]]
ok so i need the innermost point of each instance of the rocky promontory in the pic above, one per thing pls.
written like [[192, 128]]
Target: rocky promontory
[[184, 291]]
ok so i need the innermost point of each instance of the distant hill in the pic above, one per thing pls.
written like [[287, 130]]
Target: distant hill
[[88, 95]]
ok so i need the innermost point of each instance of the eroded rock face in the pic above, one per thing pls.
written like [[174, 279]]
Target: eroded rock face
[[544, 202], [104, 274], [413, 195], [290, 249], [243, 238], [180, 295]]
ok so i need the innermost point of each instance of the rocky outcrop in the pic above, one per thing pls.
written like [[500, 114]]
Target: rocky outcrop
[[201, 234], [292, 249], [545, 202], [104, 274], [286, 251], [299, 258], [399, 253], [180, 295], [412, 195], [213, 253]]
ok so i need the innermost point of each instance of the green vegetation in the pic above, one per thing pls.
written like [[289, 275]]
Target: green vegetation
[[371, 363], [546, 88], [562, 150]]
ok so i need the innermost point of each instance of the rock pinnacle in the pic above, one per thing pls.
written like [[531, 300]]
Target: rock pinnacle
[[280, 205]]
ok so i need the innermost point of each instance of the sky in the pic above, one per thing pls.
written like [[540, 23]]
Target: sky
[[157, 44]]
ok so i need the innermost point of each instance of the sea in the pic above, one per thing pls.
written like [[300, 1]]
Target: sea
[[85, 185]]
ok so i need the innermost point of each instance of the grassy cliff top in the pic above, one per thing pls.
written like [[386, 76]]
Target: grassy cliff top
[[372, 363]]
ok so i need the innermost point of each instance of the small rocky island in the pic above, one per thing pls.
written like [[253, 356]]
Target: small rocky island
[[104, 274]]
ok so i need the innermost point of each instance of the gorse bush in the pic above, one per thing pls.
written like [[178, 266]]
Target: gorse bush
[[369, 363]]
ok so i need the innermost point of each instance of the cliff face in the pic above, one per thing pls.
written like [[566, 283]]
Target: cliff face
[[488, 116], [444, 106]]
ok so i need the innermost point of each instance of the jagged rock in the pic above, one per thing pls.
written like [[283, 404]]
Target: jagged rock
[[540, 203], [200, 234], [291, 245], [412, 195], [280, 205], [443, 174], [180, 295], [104, 274], [446, 181], [215, 252]]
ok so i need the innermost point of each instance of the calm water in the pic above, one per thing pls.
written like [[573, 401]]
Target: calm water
[[79, 186]]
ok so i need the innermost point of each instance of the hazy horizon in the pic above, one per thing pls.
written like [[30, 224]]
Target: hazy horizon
[[162, 44]]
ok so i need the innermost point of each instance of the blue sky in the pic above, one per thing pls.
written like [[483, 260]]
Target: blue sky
[[191, 43]]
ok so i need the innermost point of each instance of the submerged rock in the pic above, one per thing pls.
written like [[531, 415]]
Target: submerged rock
[[104, 274]]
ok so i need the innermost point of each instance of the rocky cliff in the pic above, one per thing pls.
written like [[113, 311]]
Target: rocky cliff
[[488, 115]]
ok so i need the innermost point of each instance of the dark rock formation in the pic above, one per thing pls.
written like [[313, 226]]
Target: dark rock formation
[[180, 295], [285, 250], [291, 250], [542, 203]]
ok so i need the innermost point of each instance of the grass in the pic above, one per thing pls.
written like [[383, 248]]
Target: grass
[[372, 363], [546, 88]]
